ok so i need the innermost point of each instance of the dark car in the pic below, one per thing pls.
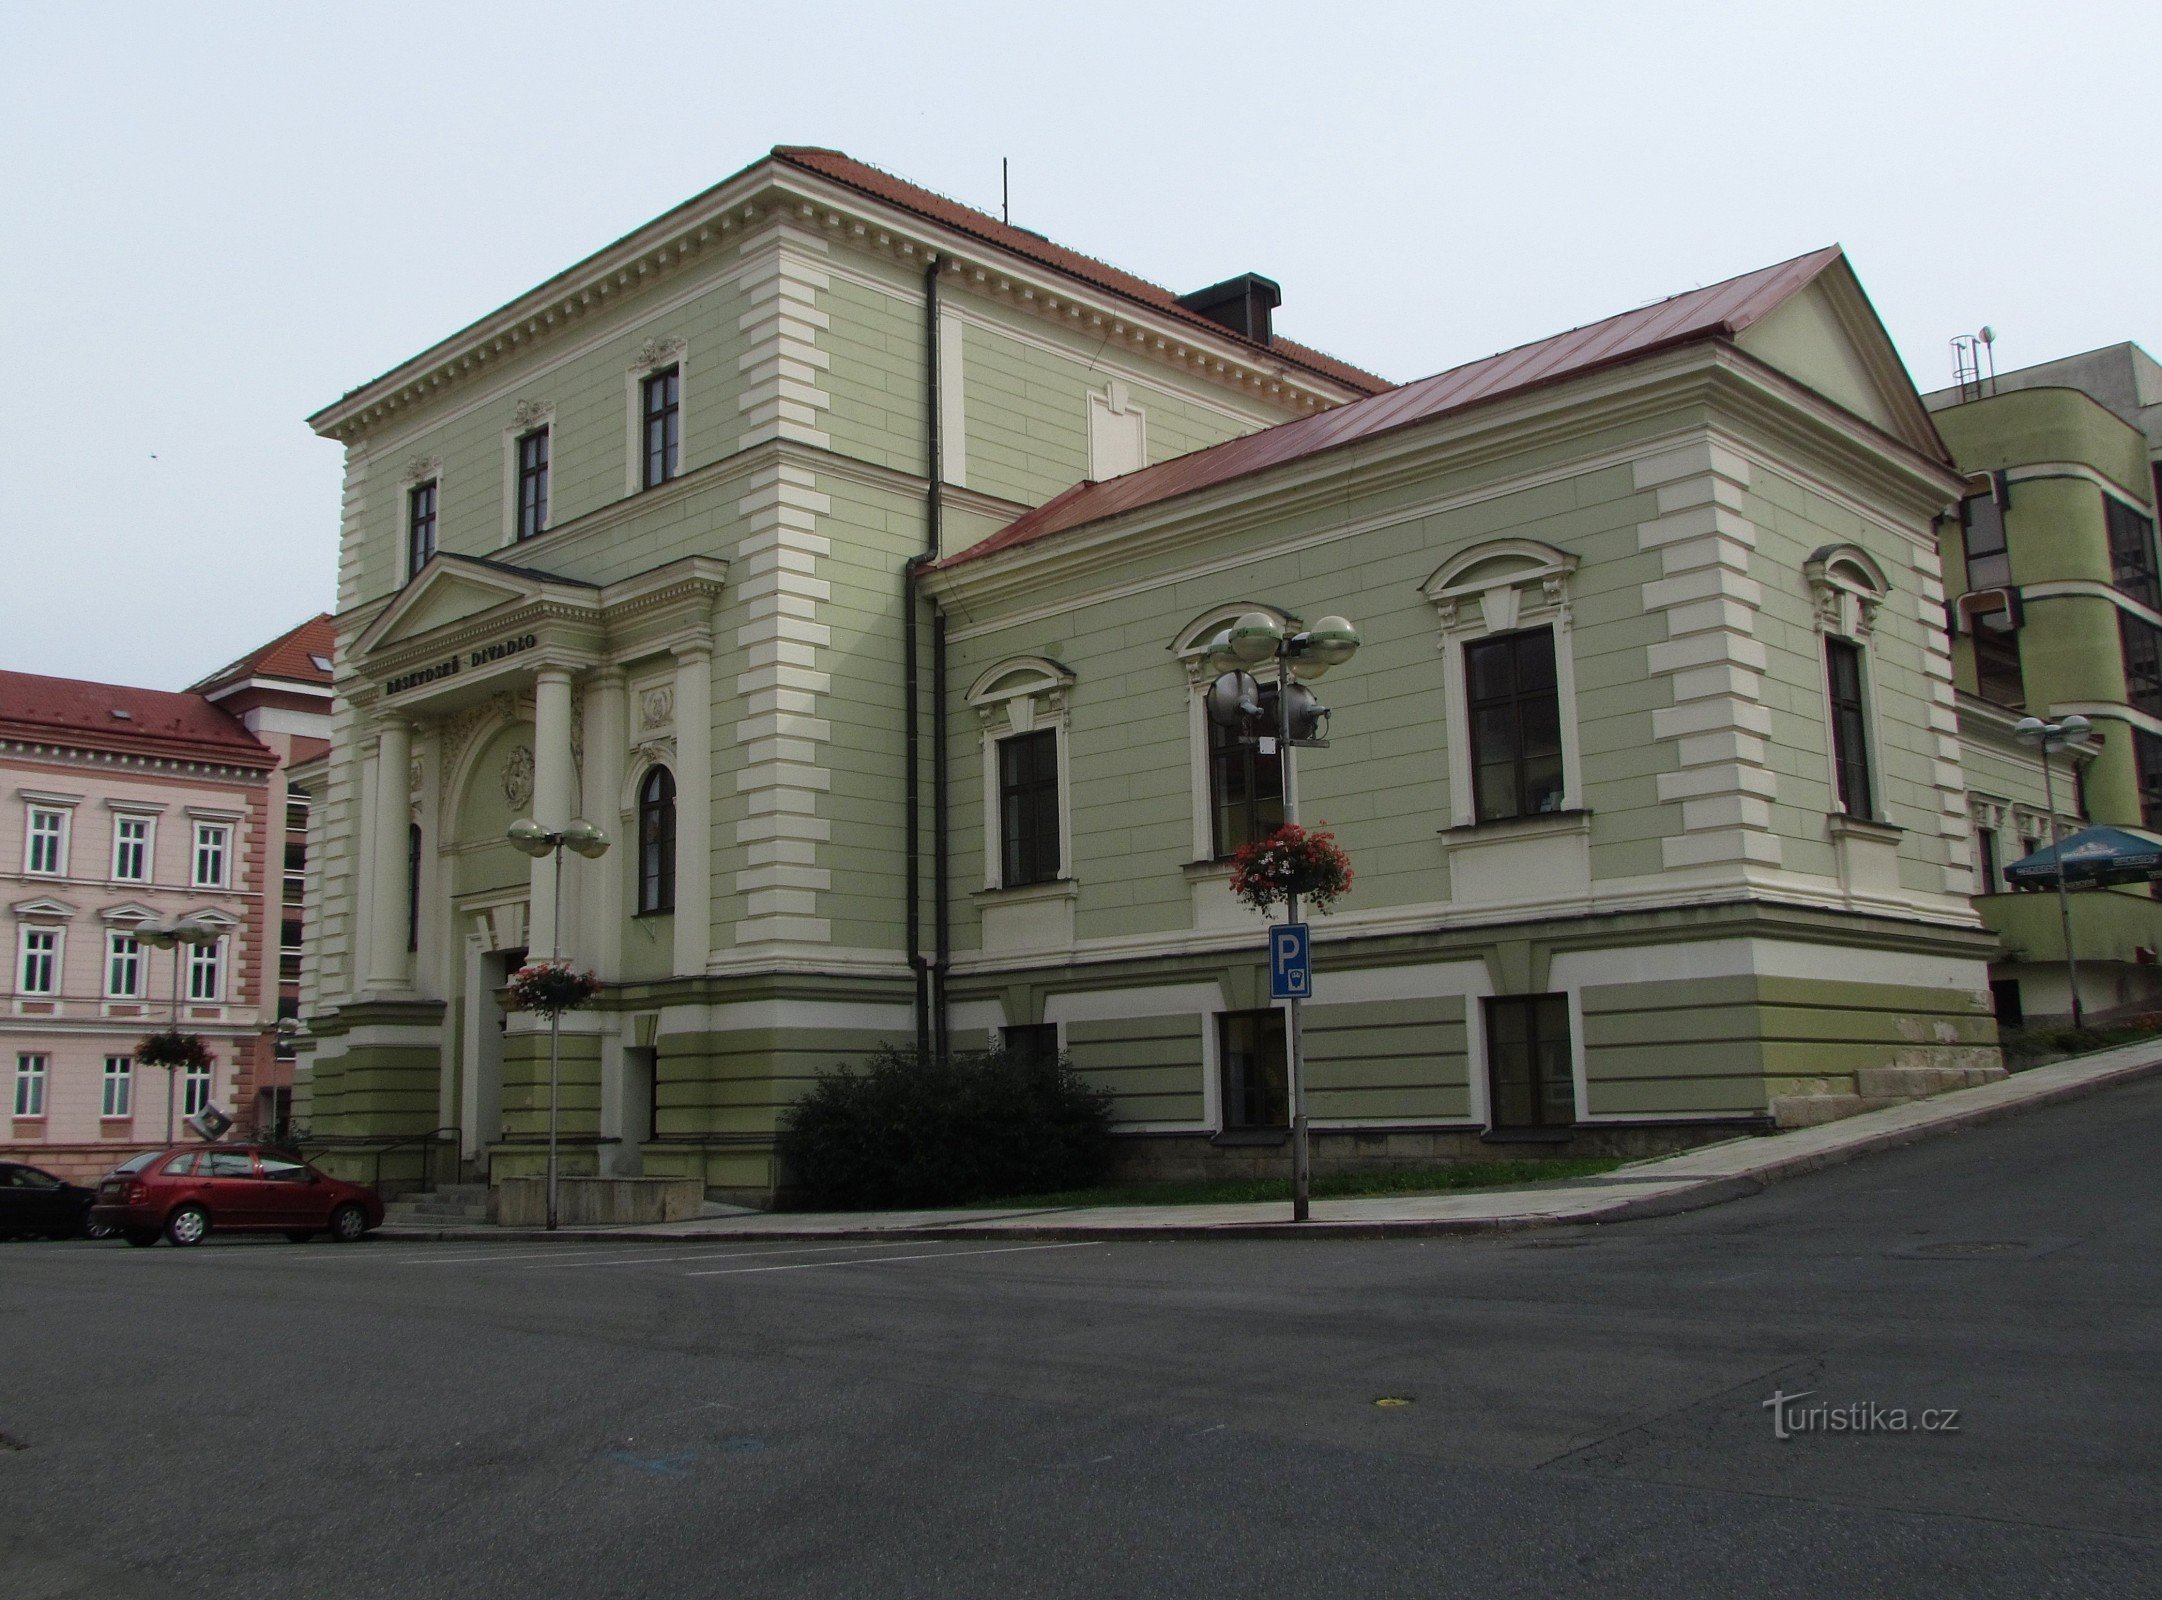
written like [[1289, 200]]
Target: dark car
[[182, 1194], [34, 1203]]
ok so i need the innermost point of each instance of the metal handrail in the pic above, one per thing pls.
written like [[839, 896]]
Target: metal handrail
[[384, 1144]]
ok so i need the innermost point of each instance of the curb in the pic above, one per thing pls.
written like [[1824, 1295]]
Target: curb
[[1698, 1195]]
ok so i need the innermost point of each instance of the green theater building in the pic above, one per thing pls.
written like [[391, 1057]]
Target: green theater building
[[851, 558]]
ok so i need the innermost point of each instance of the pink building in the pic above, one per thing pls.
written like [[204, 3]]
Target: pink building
[[122, 806]]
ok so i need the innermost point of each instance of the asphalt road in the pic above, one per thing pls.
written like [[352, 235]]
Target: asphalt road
[[1584, 1411]]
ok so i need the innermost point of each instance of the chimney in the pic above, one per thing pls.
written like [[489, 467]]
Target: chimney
[[1241, 304]]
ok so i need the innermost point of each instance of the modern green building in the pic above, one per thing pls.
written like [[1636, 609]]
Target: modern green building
[[851, 557], [2057, 609]]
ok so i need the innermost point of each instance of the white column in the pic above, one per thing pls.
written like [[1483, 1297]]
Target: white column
[[694, 807], [551, 795], [388, 965], [600, 883]]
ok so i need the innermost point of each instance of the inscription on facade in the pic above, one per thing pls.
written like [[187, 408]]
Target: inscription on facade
[[451, 666]]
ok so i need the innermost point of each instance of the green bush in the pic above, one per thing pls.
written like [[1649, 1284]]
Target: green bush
[[902, 1132]]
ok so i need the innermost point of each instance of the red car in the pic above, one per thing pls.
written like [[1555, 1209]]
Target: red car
[[184, 1193]]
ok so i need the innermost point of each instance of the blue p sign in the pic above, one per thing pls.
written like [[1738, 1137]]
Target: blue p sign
[[1291, 970]]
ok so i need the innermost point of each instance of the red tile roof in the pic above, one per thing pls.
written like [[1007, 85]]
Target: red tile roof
[[1723, 310], [292, 655], [867, 179], [157, 722]]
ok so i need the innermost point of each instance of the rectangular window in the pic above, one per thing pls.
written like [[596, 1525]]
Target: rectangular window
[[1529, 1081], [1255, 1069], [131, 849], [1515, 706], [213, 843], [46, 851], [195, 1090], [30, 1085], [419, 526], [2142, 642], [1981, 520], [123, 967], [1036, 1040], [533, 483], [1246, 785], [2132, 553], [1850, 727], [1985, 861], [118, 1099], [1028, 808], [296, 814], [206, 971], [41, 960], [663, 409], [2147, 760], [1993, 627]]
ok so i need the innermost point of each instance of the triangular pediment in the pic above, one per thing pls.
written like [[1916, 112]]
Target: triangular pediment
[[454, 590], [1826, 336], [128, 911], [42, 910]]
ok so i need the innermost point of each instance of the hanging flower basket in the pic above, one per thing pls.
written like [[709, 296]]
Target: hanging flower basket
[[1290, 862], [551, 987], [172, 1048]]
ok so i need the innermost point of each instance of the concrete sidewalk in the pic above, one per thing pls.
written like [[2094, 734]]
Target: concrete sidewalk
[[1708, 1176]]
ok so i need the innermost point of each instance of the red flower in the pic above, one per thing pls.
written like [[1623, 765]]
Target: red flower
[[1290, 862]]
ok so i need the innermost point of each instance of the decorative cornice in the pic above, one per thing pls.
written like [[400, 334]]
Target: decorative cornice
[[82, 755], [771, 192]]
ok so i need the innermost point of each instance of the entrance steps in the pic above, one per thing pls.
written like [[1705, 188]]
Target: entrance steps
[[452, 1205]]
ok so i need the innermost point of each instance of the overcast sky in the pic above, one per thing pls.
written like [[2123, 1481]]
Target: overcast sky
[[218, 218]]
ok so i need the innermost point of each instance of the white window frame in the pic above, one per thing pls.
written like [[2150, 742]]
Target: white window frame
[[651, 359], [1023, 694], [32, 1069], [122, 821], [136, 964], [531, 417], [118, 1075], [195, 1087], [1498, 587], [417, 472], [1191, 646], [61, 818], [1847, 588], [210, 959], [50, 959], [223, 847]]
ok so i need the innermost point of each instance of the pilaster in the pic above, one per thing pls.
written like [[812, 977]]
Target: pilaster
[[694, 807], [783, 369], [1711, 659]]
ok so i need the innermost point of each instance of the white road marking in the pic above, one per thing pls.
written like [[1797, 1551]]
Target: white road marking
[[873, 1261], [661, 1255]]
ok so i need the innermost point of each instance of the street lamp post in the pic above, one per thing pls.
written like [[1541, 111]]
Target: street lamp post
[[537, 841], [181, 932], [1234, 700], [2045, 737]]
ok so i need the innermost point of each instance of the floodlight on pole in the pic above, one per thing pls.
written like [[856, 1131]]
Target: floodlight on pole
[[2045, 737], [536, 841], [189, 931]]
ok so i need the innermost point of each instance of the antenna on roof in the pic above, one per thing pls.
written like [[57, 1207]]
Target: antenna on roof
[[1974, 364], [1005, 195]]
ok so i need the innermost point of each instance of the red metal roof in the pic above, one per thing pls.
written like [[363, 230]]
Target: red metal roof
[[1723, 310], [292, 656], [156, 721], [867, 179]]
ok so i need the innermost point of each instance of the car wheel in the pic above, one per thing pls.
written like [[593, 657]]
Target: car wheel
[[142, 1238], [187, 1225], [348, 1223], [99, 1230], [299, 1235]]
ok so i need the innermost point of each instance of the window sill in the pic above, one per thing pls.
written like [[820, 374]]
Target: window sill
[[1203, 871], [1537, 825], [1022, 893], [1843, 825]]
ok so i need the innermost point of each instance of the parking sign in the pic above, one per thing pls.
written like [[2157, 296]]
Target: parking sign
[[1291, 970]]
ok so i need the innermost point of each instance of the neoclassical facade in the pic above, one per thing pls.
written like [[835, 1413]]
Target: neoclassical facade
[[851, 559]]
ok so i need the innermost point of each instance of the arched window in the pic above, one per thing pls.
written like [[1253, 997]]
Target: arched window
[[657, 842]]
